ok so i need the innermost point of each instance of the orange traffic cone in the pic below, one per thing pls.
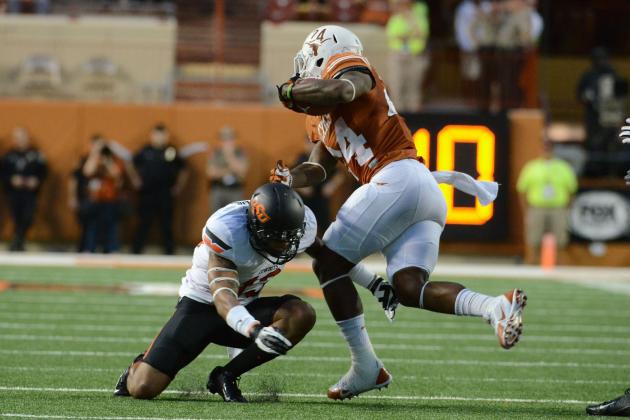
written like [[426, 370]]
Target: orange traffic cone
[[548, 252]]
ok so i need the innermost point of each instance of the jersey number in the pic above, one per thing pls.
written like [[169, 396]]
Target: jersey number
[[256, 284], [352, 144]]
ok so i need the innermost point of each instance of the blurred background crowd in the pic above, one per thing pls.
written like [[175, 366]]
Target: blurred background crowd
[[567, 59]]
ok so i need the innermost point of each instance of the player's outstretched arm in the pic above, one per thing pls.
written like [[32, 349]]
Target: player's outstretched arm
[[352, 85], [313, 172], [224, 284]]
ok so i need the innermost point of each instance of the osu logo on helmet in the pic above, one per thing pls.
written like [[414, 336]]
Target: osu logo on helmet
[[260, 212]]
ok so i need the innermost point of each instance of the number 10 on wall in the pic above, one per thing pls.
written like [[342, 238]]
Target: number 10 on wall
[[447, 139]]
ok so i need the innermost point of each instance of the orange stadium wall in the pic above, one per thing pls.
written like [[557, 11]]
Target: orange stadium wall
[[62, 131]]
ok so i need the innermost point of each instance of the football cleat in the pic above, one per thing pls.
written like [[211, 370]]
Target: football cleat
[[506, 317], [353, 383], [386, 296], [618, 407], [222, 382], [121, 386]]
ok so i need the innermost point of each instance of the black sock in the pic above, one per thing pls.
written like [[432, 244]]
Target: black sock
[[249, 358]]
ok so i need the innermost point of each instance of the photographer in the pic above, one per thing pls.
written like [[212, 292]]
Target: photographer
[[604, 94], [103, 176]]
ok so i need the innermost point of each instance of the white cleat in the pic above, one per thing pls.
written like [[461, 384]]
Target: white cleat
[[506, 317], [354, 383]]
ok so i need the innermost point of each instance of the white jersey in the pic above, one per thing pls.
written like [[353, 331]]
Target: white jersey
[[226, 235]]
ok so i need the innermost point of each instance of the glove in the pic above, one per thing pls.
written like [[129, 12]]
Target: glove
[[270, 340], [625, 132], [281, 174], [384, 293], [284, 91]]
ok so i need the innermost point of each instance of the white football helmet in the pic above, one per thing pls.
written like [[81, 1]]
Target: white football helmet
[[320, 45]]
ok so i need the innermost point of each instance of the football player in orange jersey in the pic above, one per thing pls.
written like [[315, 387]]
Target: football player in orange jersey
[[399, 210]]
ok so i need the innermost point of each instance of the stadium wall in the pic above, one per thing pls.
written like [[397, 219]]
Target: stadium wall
[[63, 129]]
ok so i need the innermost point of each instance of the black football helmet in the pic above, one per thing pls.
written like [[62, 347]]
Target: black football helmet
[[275, 220]]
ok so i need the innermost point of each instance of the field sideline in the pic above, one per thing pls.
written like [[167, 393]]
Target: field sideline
[[67, 332]]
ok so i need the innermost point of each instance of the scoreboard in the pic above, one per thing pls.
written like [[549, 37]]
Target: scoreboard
[[476, 144]]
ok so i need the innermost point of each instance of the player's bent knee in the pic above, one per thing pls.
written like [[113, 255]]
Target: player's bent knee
[[147, 382], [328, 265], [407, 284], [307, 316], [303, 314], [143, 391]]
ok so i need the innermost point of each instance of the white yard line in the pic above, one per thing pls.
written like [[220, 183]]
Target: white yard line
[[51, 416], [392, 360], [165, 308], [605, 278], [318, 344], [305, 395], [333, 333], [336, 376], [374, 324]]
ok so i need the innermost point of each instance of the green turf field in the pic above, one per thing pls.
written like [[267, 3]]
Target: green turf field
[[61, 352]]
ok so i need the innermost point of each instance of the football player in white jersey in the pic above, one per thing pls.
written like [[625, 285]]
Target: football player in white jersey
[[243, 246]]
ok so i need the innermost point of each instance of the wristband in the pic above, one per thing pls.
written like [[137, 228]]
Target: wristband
[[240, 320]]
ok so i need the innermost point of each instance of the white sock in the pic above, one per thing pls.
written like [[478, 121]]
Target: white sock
[[361, 351], [473, 303], [362, 276]]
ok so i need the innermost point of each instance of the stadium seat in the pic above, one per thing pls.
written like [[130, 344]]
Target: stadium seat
[[99, 78], [38, 76]]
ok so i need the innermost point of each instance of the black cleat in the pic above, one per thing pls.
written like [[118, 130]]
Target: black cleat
[[224, 383], [618, 407], [121, 386]]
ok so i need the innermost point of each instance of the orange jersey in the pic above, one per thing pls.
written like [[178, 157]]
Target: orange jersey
[[367, 133]]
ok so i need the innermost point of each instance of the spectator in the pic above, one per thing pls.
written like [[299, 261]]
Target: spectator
[[103, 174], [407, 32], [163, 176], [78, 198], [466, 16], [603, 94], [546, 185], [23, 169], [466, 26], [38, 6], [226, 170]]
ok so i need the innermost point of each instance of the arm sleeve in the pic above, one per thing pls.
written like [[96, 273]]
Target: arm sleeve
[[310, 231]]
